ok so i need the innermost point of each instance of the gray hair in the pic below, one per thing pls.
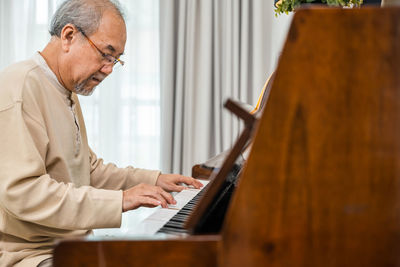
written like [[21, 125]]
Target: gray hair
[[85, 14]]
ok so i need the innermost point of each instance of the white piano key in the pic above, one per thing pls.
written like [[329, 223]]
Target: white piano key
[[183, 197], [149, 227], [162, 215]]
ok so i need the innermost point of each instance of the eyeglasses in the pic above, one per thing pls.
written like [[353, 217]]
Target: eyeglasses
[[108, 59]]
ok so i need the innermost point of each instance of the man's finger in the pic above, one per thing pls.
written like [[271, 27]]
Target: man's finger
[[168, 197], [179, 188], [149, 201], [156, 195], [191, 181], [176, 188], [198, 184]]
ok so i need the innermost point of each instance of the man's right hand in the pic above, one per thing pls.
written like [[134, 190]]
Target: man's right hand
[[147, 196]]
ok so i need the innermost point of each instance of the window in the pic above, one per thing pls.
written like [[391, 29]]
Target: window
[[123, 115]]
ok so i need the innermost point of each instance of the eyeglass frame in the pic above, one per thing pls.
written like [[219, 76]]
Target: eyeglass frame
[[111, 59]]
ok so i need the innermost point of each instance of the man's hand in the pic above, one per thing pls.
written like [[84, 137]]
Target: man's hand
[[172, 182], [147, 196]]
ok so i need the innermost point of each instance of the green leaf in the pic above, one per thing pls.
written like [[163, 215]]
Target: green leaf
[[290, 5]]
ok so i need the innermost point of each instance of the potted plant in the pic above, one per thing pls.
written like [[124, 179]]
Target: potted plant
[[286, 6]]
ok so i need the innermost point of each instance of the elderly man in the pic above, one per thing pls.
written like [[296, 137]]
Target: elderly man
[[51, 184]]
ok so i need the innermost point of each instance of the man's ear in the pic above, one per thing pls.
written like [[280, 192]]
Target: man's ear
[[68, 36]]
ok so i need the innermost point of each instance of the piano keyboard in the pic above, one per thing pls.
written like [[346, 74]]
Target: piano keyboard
[[145, 222], [171, 220]]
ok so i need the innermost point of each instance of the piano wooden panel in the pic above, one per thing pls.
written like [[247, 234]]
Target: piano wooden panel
[[192, 251], [201, 172], [322, 183]]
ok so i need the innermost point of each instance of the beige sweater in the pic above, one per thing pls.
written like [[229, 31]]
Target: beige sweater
[[51, 184]]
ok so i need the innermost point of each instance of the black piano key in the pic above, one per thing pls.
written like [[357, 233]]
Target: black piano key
[[176, 229], [180, 217], [176, 223], [172, 231]]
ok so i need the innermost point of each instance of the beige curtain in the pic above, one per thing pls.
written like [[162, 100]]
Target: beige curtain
[[211, 50]]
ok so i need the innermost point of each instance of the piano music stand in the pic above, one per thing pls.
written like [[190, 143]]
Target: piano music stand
[[199, 216]]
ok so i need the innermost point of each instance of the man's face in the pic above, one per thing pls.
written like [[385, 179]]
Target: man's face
[[85, 66]]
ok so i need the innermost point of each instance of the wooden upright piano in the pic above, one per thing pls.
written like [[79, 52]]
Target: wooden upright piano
[[321, 186]]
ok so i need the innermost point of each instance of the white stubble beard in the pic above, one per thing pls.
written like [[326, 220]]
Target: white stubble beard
[[80, 88]]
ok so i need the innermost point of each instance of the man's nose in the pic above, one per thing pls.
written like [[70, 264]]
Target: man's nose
[[107, 69]]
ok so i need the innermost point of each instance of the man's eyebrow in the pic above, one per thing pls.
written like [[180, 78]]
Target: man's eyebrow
[[112, 49]]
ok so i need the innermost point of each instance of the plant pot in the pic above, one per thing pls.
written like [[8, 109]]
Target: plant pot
[[390, 2], [371, 2]]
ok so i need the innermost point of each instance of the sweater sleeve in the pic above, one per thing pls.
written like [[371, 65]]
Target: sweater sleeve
[[28, 193], [109, 176]]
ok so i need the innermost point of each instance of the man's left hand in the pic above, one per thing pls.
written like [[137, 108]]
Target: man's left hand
[[173, 182]]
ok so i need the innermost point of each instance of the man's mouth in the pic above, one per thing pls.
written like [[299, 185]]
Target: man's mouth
[[96, 80]]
